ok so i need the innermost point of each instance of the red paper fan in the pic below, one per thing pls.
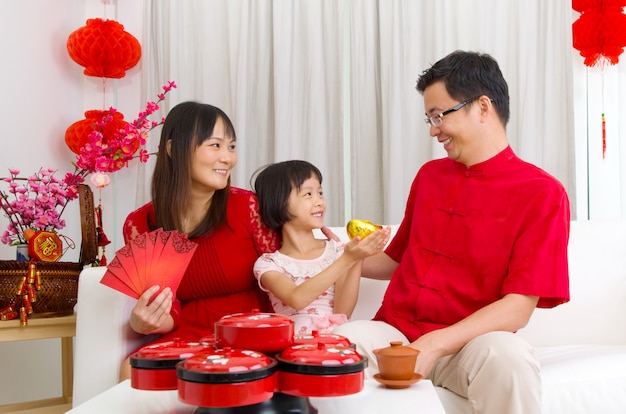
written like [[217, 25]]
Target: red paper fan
[[155, 258]]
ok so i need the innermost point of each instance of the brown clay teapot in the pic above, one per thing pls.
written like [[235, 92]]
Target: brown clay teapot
[[396, 362]]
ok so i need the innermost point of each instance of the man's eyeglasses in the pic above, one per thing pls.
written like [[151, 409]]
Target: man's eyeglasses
[[437, 120]]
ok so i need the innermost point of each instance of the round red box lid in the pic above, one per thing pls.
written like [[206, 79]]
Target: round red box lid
[[226, 365], [254, 319], [325, 338], [321, 359], [166, 354]]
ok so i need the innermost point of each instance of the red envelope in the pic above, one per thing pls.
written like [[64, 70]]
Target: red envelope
[[151, 240], [155, 258], [173, 261], [138, 249], [160, 241], [116, 277], [127, 262]]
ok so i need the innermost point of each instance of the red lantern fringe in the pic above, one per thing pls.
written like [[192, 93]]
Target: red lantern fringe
[[104, 48]]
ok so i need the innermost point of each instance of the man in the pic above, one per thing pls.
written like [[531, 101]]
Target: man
[[482, 243]]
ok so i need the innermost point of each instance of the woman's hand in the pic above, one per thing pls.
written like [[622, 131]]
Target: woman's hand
[[152, 315]]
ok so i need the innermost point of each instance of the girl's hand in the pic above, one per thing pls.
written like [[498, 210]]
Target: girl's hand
[[152, 315], [370, 245]]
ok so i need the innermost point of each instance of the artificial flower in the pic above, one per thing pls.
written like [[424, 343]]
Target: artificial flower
[[102, 154], [37, 203]]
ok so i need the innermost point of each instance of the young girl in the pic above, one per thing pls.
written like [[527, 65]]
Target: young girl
[[313, 281]]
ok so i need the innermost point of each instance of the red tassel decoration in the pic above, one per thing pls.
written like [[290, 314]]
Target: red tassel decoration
[[103, 240], [603, 136]]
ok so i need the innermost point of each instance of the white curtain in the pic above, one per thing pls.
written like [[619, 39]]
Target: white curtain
[[333, 82]]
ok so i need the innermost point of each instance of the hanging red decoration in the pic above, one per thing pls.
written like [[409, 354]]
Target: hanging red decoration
[[600, 36], [600, 31], [603, 135], [77, 134], [582, 5], [104, 48]]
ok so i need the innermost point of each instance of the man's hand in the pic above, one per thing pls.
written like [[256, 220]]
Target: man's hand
[[430, 352]]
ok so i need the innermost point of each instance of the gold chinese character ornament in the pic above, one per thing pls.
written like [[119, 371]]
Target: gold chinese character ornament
[[45, 246]]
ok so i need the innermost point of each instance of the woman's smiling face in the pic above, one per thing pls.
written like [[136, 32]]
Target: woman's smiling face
[[213, 161]]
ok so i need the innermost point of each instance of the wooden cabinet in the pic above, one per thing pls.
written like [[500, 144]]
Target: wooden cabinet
[[63, 327]]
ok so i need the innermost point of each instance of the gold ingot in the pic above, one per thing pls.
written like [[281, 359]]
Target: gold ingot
[[361, 228]]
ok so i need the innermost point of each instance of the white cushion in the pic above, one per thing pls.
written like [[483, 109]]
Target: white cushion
[[103, 336], [597, 309], [582, 379]]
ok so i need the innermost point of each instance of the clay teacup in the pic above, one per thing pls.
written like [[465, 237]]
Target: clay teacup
[[396, 362]]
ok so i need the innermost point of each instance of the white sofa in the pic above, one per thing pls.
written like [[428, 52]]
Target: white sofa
[[581, 344]]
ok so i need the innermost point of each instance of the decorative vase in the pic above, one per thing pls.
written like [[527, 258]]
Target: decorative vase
[[21, 252]]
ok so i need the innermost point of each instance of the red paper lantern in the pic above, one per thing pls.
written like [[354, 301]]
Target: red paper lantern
[[77, 134], [104, 48], [600, 31], [582, 5]]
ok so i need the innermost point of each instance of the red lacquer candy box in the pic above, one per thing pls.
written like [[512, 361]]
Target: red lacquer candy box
[[226, 378], [262, 332], [320, 370], [153, 367]]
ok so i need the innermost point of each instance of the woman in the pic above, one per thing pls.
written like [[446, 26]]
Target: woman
[[191, 194]]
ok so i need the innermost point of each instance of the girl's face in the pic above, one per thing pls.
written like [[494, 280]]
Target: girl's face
[[213, 161], [307, 205]]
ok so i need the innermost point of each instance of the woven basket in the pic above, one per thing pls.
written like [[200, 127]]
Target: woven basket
[[59, 291]]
